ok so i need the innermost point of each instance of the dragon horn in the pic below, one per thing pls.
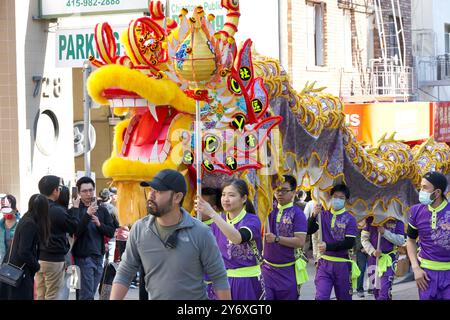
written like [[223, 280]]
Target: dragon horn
[[230, 26], [156, 10]]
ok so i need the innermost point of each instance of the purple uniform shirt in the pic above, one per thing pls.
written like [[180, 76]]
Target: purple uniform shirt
[[434, 243], [240, 255], [344, 226], [393, 225], [292, 221]]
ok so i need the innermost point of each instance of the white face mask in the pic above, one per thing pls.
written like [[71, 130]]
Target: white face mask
[[425, 197], [337, 204]]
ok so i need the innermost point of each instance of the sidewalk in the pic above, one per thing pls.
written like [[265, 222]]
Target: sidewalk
[[404, 288]]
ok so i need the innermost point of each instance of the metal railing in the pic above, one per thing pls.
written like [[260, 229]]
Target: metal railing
[[433, 68], [390, 79]]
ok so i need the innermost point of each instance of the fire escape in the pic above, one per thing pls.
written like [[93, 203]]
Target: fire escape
[[387, 77], [390, 79]]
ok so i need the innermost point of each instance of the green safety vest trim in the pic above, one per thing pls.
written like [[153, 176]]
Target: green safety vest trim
[[281, 208], [434, 212], [384, 262], [208, 222], [355, 270], [434, 265], [245, 272], [301, 274], [335, 213], [238, 218]]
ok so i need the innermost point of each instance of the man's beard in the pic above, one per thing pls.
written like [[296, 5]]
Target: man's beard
[[159, 211]]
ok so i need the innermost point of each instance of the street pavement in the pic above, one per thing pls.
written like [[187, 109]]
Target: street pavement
[[403, 289]]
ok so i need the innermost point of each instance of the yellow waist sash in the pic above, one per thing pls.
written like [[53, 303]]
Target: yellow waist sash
[[301, 274], [384, 262], [244, 272], [355, 270], [434, 265]]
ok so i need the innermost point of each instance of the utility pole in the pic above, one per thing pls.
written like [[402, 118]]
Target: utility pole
[[87, 103]]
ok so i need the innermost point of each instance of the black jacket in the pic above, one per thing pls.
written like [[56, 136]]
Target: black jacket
[[25, 245], [24, 252], [62, 222], [89, 239]]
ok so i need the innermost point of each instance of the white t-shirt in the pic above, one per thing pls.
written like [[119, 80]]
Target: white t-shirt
[[309, 208]]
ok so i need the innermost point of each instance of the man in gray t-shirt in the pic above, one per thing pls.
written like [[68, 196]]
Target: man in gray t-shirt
[[175, 250]]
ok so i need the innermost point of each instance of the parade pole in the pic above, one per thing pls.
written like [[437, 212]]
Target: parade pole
[[319, 216], [198, 152], [87, 119], [377, 279]]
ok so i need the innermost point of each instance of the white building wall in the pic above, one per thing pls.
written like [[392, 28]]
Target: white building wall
[[36, 57], [334, 75], [433, 15]]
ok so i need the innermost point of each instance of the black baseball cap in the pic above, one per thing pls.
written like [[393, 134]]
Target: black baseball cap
[[105, 194], [437, 179], [167, 179], [113, 190]]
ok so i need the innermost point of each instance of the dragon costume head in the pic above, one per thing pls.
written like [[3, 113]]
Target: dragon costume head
[[254, 125]]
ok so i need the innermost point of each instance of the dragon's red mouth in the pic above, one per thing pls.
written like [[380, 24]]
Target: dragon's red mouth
[[146, 137]]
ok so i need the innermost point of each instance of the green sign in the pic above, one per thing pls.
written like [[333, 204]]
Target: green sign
[[74, 46], [211, 6]]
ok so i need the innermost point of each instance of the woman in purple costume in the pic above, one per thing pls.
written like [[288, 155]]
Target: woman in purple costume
[[238, 235]]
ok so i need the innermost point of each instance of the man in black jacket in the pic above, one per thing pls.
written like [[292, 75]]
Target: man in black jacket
[[89, 247], [50, 278]]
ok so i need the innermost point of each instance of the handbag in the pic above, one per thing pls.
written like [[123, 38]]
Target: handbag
[[9, 273]]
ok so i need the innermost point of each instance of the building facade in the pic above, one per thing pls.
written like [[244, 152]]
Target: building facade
[[337, 44], [35, 101], [431, 48]]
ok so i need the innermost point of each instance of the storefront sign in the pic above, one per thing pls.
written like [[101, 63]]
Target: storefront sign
[[410, 121], [442, 121], [210, 6], [60, 8]]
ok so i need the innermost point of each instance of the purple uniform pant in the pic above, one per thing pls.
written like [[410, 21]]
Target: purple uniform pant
[[280, 283], [210, 291], [246, 288], [333, 274], [385, 284], [438, 286]]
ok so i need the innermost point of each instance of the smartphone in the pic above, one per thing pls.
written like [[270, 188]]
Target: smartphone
[[74, 192]]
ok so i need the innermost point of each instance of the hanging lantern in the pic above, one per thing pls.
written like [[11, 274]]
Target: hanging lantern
[[195, 59]]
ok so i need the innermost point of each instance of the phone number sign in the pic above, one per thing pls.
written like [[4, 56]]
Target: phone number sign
[[60, 8]]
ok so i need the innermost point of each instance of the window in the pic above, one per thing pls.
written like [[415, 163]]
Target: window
[[347, 34], [393, 48], [315, 34], [447, 37]]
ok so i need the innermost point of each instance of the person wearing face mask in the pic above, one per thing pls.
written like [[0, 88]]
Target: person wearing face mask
[[238, 235], [339, 230], [174, 249], [430, 221], [8, 223], [392, 233]]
